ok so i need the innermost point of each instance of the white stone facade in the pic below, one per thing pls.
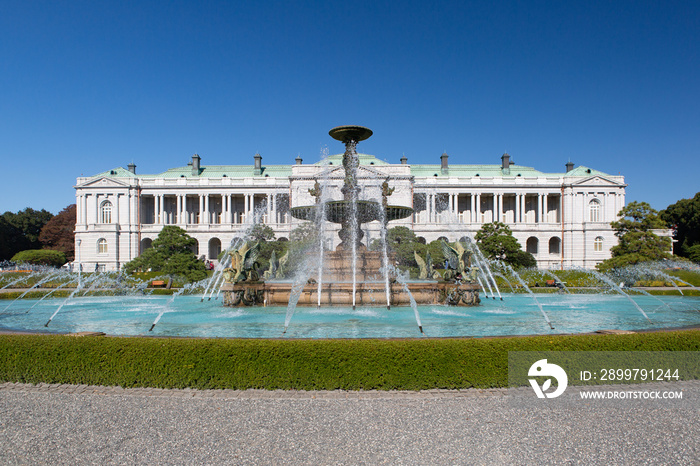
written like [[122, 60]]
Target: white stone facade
[[562, 218]]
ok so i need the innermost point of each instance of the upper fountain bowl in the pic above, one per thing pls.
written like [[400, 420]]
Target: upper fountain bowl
[[350, 133]]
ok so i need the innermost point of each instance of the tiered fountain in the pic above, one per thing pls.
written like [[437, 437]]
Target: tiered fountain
[[349, 274]]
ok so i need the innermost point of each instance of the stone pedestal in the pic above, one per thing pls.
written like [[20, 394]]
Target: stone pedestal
[[340, 294]]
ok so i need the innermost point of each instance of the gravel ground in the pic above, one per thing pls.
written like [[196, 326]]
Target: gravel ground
[[104, 425]]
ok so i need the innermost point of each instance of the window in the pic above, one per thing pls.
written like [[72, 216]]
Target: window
[[598, 244], [531, 245], [102, 246], [106, 212], [594, 208], [554, 245]]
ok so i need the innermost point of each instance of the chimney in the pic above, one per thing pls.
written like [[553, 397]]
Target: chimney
[[569, 166], [298, 160], [131, 167], [258, 164], [443, 163], [404, 160], [505, 164], [195, 164]]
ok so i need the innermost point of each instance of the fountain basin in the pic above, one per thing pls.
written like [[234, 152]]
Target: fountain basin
[[350, 133], [187, 316], [340, 211]]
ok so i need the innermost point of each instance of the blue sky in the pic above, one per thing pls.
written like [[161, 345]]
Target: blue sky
[[90, 86]]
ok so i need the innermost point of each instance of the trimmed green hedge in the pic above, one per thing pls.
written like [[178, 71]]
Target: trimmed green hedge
[[40, 257], [412, 364]]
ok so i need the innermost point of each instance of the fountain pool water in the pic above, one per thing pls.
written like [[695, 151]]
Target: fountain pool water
[[189, 316]]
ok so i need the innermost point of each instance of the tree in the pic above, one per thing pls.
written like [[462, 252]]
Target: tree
[[305, 232], [694, 253], [20, 231], [261, 232], [637, 241], [172, 254], [684, 215], [496, 241], [59, 232], [11, 239], [402, 242]]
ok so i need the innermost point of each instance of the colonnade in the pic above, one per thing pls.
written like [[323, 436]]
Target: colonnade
[[486, 207], [214, 208]]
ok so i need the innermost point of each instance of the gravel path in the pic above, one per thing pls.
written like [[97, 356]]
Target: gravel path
[[63, 424]]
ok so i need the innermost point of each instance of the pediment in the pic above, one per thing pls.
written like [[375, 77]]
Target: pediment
[[362, 171], [103, 182], [596, 180]]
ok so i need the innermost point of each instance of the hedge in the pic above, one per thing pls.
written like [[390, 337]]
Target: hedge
[[40, 257], [411, 364]]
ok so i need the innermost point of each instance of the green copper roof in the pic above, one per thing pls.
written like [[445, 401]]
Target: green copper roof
[[417, 170], [585, 171], [231, 171], [473, 170], [118, 172]]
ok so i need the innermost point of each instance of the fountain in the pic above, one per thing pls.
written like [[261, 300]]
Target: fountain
[[343, 292], [347, 276], [126, 307]]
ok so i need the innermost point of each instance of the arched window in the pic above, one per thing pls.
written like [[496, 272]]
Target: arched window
[[594, 209], [531, 245], [102, 246], [145, 244], [554, 245], [598, 244], [106, 212], [214, 248]]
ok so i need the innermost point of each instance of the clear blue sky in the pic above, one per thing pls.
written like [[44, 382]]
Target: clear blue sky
[[87, 86]]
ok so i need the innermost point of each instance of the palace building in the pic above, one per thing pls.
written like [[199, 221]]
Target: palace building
[[563, 219]]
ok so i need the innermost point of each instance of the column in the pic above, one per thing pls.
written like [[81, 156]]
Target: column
[[432, 207], [79, 210], [161, 207], [543, 214], [201, 208], [97, 209], [499, 207], [472, 210], [427, 209], [156, 209], [477, 208], [83, 209], [450, 203], [230, 207], [274, 208], [269, 208], [115, 219], [207, 214]]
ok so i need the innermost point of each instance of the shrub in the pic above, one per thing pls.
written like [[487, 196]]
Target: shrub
[[40, 257]]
